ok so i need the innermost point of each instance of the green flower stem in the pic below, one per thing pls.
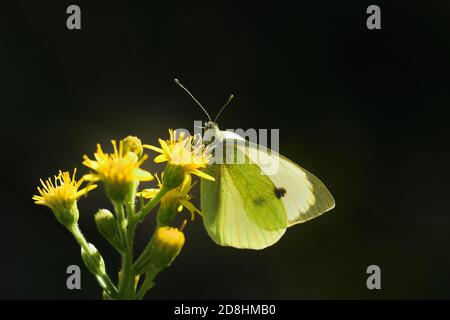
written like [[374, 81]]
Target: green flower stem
[[126, 232], [151, 204], [130, 204], [127, 289], [121, 221], [103, 279], [144, 257], [146, 254], [116, 245], [125, 272], [147, 284]]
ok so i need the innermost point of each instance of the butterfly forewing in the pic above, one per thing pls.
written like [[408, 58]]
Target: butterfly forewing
[[304, 196]]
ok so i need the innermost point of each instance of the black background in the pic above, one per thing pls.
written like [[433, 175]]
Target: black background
[[363, 110]]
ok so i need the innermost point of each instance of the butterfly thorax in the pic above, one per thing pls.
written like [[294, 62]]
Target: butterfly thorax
[[211, 133]]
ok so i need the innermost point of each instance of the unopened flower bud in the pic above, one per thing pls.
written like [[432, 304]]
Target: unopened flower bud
[[133, 144], [93, 260], [107, 226], [168, 207], [166, 246]]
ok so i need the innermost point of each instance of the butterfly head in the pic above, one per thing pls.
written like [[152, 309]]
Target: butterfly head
[[211, 125], [212, 131]]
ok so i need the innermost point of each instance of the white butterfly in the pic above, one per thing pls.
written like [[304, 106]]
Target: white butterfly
[[258, 194]]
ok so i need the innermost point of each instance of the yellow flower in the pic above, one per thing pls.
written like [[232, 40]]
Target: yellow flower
[[183, 152], [174, 200], [61, 195], [120, 171]]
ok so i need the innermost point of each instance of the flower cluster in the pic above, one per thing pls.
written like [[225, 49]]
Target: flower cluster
[[121, 173]]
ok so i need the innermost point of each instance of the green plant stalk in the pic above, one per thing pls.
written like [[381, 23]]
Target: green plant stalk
[[147, 284], [103, 279], [121, 221], [130, 203], [128, 285], [126, 234], [127, 229], [145, 256], [144, 265], [127, 290], [151, 204], [116, 245]]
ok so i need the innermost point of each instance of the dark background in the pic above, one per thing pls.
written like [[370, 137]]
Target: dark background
[[366, 111]]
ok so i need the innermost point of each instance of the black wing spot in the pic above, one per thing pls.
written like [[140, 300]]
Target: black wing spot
[[280, 192], [259, 201]]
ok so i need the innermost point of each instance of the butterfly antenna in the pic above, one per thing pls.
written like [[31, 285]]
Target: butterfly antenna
[[224, 106], [193, 98]]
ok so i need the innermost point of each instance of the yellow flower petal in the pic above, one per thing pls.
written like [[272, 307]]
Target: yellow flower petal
[[187, 152], [91, 177], [160, 158], [190, 207], [120, 168], [164, 146], [147, 146], [84, 191], [148, 193], [142, 175], [203, 175], [62, 192]]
